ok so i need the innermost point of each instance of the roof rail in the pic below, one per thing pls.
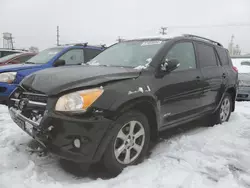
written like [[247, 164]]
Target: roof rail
[[81, 44], [85, 44], [203, 38]]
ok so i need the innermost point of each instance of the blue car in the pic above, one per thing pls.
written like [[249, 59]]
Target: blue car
[[12, 75]]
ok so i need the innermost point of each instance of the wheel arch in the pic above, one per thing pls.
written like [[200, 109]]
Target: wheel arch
[[146, 105], [232, 92]]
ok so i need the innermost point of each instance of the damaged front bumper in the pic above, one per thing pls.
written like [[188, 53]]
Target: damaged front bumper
[[58, 133]]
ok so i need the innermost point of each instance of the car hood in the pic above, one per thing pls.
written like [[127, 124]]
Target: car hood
[[56, 80], [17, 67]]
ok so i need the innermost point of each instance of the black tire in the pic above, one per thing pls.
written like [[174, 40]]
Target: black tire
[[217, 116], [110, 160]]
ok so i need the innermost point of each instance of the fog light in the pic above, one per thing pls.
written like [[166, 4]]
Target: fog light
[[77, 143]]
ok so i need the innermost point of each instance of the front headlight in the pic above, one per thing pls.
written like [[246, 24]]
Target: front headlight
[[7, 77], [79, 100]]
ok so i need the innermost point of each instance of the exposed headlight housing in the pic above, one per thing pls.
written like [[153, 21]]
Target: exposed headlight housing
[[78, 101], [7, 77]]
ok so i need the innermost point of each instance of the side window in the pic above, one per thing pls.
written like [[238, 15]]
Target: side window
[[223, 56], [73, 57], [206, 54], [4, 53], [184, 53], [90, 54], [24, 58]]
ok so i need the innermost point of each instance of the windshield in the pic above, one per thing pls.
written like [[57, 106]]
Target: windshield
[[44, 56], [128, 54], [8, 57], [242, 64]]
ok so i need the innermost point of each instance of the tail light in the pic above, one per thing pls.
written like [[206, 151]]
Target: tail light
[[235, 69]]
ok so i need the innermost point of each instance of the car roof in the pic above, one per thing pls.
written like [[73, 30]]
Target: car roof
[[10, 50], [177, 37], [83, 45]]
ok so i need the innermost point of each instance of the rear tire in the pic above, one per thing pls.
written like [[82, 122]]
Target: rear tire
[[129, 143], [224, 111]]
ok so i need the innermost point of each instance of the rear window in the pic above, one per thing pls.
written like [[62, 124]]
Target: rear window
[[206, 54], [223, 56]]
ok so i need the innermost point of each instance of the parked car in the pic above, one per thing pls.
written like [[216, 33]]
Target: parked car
[[12, 75], [243, 65], [6, 51], [111, 108], [16, 58]]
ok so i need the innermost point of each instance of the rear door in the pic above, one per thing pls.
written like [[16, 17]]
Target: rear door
[[180, 93], [213, 74]]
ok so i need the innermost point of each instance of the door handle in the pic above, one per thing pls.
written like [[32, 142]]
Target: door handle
[[224, 75], [198, 78]]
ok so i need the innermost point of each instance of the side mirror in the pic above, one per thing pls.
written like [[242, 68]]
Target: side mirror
[[169, 65], [59, 62]]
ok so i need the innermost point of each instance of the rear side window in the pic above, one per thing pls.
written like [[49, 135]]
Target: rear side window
[[206, 54], [90, 53], [4, 53], [73, 57], [223, 55]]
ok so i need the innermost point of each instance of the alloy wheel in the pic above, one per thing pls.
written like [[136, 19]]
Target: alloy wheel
[[129, 142], [225, 109]]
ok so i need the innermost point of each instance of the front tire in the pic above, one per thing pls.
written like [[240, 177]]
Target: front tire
[[129, 143]]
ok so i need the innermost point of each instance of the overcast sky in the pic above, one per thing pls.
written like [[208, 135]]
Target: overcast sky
[[33, 22]]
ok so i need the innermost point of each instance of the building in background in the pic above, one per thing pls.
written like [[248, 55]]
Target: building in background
[[233, 49]]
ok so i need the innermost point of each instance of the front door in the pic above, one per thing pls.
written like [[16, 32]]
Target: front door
[[181, 90]]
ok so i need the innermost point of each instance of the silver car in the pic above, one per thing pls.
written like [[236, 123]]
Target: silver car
[[243, 65]]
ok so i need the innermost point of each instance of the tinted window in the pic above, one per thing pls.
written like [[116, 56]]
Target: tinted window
[[73, 57], [206, 54], [24, 58], [8, 57], [90, 54], [184, 53], [223, 56], [45, 56]]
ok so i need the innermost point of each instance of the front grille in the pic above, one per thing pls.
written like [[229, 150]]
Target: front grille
[[31, 105], [242, 95], [21, 93], [35, 97]]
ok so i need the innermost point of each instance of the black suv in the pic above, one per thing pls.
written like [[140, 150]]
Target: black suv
[[111, 108]]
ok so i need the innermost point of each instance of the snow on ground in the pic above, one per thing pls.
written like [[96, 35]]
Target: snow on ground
[[215, 157]]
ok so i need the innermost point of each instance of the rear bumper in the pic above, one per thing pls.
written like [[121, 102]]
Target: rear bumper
[[243, 94], [57, 133]]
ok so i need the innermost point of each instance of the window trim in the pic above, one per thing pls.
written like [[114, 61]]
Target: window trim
[[67, 52], [210, 45], [227, 57], [85, 52], [195, 55]]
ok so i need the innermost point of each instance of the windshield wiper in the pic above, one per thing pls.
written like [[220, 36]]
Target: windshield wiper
[[28, 62]]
